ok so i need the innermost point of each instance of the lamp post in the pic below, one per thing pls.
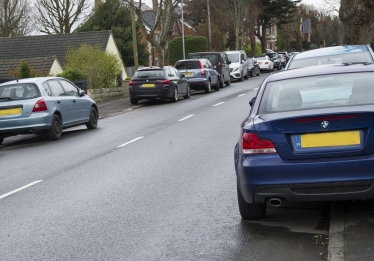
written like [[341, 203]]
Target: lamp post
[[183, 32], [134, 34]]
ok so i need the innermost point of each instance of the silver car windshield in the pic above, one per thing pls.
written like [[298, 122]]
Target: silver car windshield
[[233, 57], [318, 92], [331, 59], [20, 91]]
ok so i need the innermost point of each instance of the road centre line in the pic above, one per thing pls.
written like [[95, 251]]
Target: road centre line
[[218, 104], [19, 189], [240, 95], [255, 89], [131, 141], [185, 118]]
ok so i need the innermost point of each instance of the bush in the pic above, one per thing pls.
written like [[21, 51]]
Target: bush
[[248, 50], [192, 44], [100, 67], [72, 74]]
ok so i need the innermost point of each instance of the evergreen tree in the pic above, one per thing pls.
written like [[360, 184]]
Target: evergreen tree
[[24, 71], [115, 16]]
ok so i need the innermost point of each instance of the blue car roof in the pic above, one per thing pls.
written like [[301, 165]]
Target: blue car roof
[[331, 51]]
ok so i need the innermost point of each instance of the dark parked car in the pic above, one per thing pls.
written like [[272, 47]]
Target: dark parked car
[[331, 55], [220, 63], [44, 105], [253, 67], [309, 137], [155, 82], [199, 73], [275, 59]]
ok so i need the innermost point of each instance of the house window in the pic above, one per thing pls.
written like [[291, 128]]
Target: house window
[[267, 30]]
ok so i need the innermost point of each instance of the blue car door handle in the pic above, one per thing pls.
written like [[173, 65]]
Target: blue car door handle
[[74, 101], [58, 101]]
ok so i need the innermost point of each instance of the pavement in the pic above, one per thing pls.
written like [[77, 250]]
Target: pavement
[[114, 107], [351, 224]]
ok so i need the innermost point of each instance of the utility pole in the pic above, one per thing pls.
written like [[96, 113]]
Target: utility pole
[[209, 29], [134, 34]]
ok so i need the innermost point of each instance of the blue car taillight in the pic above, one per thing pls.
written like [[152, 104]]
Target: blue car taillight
[[40, 106], [252, 144]]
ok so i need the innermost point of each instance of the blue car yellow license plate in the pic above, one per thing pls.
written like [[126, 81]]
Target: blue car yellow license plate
[[8, 112], [188, 73], [330, 139]]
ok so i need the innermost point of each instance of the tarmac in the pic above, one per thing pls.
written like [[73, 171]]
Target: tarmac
[[350, 237]]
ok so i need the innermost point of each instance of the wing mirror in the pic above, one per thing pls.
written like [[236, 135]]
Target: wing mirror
[[182, 75], [229, 62], [252, 101], [82, 93]]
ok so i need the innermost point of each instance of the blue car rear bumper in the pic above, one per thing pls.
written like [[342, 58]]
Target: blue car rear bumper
[[262, 177]]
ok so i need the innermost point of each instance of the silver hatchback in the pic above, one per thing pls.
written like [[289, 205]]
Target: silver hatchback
[[44, 105]]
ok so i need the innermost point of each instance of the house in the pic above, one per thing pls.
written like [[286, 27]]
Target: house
[[149, 16], [55, 45], [40, 66]]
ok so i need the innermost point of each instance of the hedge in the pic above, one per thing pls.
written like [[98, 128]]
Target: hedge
[[192, 44]]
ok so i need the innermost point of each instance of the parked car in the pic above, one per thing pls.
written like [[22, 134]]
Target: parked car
[[265, 63], [309, 137], [275, 59], [199, 73], [238, 65], [253, 67], [282, 60], [286, 55], [220, 63], [158, 83], [44, 105], [6, 79], [331, 55]]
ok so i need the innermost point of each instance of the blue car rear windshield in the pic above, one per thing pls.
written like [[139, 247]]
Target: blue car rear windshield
[[318, 92], [187, 65], [19, 91]]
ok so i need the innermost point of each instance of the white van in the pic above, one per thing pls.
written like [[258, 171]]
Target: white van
[[239, 65]]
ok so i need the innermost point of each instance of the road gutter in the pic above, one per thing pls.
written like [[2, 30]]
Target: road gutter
[[336, 233]]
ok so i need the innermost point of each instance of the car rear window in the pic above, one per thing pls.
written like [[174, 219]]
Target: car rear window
[[211, 57], [187, 65], [19, 91], [149, 73], [318, 92], [331, 59]]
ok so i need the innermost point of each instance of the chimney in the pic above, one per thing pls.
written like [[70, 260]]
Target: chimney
[[154, 4], [97, 3]]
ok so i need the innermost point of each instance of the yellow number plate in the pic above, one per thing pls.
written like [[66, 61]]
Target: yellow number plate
[[8, 112], [148, 85], [188, 73], [344, 138]]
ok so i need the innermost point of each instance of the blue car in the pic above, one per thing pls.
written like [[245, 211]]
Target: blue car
[[331, 55], [309, 137], [44, 105]]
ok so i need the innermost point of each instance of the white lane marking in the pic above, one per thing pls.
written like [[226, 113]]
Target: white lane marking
[[218, 104], [185, 118], [19, 189], [240, 95], [131, 141], [256, 88]]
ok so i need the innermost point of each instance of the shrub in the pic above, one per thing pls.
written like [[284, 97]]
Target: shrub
[[192, 44], [248, 50], [100, 67], [72, 74]]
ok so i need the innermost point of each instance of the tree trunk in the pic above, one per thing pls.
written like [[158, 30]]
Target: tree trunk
[[357, 18]]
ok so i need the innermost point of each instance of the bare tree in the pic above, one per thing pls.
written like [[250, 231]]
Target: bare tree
[[164, 9], [15, 18], [60, 16]]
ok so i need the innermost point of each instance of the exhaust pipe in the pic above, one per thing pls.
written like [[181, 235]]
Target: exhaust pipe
[[275, 202]]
